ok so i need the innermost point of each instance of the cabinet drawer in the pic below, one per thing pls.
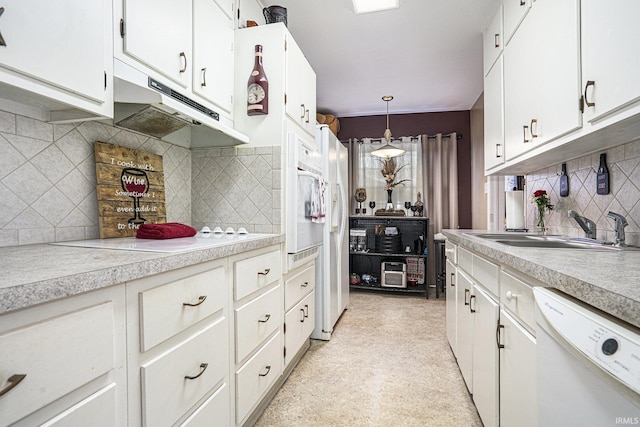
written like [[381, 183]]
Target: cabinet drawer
[[299, 322], [256, 320], [517, 297], [254, 273], [57, 356], [487, 274], [98, 410], [214, 412], [465, 260], [166, 392], [296, 287], [257, 376], [163, 310]]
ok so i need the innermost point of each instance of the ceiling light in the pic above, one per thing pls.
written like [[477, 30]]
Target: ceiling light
[[366, 6], [387, 150]]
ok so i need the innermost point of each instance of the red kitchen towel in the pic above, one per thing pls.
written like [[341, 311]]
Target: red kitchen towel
[[169, 230]]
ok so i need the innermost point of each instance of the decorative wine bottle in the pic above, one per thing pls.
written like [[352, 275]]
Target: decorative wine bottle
[[258, 88]]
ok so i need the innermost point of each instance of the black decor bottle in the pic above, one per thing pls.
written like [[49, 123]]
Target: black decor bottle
[[602, 177], [258, 87]]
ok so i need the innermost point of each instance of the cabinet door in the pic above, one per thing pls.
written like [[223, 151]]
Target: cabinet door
[[542, 77], [213, 54], [451, 307], [514, 13], [227, 7], [518, 392], [610, 55], [158, 33], [493, 42], [494, 116], [60, 44], [464, 328], [300, 87], [485, 365]]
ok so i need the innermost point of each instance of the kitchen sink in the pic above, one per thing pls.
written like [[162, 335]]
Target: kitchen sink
[[550, 242]]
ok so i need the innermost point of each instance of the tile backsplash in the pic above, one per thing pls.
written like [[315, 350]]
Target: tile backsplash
[[48, 183], [237, 187], [623, 163]]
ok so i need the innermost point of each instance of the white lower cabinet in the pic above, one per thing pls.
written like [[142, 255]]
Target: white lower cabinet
[[213, 412], [299, 301], [490, 327], [61, 363], [178, 360], [518, 392], [258, 305], [485, 312]]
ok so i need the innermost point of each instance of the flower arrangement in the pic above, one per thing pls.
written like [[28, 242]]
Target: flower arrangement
[[390, 171], [543, 204]]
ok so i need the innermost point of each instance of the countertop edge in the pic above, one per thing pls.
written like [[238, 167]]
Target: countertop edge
[[38, 292]]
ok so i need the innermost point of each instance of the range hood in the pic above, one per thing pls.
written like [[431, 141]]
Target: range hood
[[145, 105]]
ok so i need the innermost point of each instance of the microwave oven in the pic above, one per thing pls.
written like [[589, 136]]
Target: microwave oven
[[394, 275]]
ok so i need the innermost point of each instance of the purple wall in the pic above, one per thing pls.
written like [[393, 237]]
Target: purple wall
[[418, 124]]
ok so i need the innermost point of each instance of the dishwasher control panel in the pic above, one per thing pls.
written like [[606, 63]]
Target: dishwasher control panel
[[612, 346]]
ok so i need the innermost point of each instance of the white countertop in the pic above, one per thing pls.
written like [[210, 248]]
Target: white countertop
[[33, 274], [607, 280]]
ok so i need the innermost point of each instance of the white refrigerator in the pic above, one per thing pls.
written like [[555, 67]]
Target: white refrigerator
[[332, 268]]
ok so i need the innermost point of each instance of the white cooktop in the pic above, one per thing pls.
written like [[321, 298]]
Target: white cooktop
[[183, 244]]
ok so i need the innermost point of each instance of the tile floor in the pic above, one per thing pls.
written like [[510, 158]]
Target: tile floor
[[387, 364]]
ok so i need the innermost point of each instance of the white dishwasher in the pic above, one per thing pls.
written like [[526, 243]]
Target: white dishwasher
[[588, 365]]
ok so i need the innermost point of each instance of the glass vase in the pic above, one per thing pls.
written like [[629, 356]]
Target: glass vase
[[540, 225]]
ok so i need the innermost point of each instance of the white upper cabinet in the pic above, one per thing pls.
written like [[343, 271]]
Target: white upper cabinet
[[514, 13], [212, 52], [158, 34], [610, 56], [493, 41], [300, 88], [59, 51], [542, 77], [227, 7], [494, 116]]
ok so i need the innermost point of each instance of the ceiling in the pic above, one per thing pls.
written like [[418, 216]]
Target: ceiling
[[427, 54]]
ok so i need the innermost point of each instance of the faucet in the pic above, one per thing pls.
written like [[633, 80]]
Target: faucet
[[621, 223], [586, 224]]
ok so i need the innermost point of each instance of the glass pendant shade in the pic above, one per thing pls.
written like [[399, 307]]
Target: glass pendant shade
[[388, 150]]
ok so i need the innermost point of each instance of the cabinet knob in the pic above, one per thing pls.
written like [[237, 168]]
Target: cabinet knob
[[511, 296]]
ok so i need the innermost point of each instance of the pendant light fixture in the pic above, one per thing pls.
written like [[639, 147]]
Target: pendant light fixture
[[388, 150]]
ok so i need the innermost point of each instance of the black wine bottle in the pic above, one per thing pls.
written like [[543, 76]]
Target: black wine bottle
[[258, 87], [602, 178]]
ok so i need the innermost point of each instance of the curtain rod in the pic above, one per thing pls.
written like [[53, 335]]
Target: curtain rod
[[413, 138]]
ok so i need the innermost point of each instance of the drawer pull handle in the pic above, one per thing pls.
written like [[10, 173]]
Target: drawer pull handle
[[453, 279], [268, 369], [496, 39], [466, 294], [534, 122], [498, 335], [306, 310], [524, 132], [184, 61], [303, 316], [266, 318], [203, 367], [305, 284], [586, 100], [472, 306], [511, 295], [201, 299], [13, 381], [204, 77], [302, 113], [265, 272]]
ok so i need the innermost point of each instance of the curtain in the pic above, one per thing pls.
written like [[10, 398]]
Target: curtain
[[364, 172], [439, 155]]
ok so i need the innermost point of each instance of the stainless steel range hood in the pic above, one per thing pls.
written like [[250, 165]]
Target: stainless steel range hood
[[144, 105]]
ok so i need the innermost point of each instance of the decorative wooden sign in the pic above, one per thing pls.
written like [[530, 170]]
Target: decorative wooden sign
[[130, 189]]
